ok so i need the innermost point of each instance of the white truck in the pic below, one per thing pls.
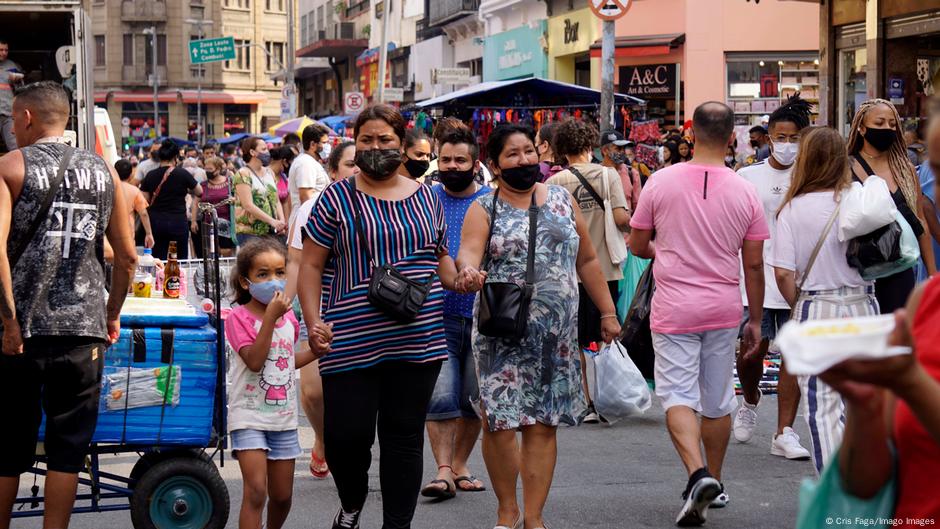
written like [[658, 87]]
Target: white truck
[[51, 40]]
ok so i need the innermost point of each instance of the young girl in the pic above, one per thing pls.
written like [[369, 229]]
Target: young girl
[[262, 397]]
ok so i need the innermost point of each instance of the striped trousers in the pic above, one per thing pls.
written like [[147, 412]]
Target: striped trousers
[[821, 405]]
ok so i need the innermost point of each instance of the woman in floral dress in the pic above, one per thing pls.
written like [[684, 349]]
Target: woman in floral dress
[[258, 211], [532, 385]]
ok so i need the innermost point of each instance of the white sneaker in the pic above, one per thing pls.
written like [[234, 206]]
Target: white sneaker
[[745, 422], [722, 500], [788, 445]]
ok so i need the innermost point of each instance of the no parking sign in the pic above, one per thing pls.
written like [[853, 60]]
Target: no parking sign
[[354, 102]]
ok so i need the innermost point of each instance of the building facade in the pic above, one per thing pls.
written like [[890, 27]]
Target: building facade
[[241, 95], [880, 48]]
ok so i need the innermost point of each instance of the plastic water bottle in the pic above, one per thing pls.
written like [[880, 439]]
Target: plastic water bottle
[[146, 265]]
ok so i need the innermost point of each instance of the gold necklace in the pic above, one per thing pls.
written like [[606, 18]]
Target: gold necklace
[[873, 157]]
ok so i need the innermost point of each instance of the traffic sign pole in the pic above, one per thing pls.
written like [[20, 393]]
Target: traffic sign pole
[[608, 11]]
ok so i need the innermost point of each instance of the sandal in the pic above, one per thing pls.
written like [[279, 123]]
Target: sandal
[[318, 467], [471, 481], [517, 525], [430, 491]]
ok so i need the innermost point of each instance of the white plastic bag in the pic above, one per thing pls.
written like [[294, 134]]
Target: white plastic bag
[[865, 208], [621, 390], [616, 245]]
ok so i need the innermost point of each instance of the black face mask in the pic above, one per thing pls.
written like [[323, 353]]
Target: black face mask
[[523, 177], [417, 168], [456, 181], [881, 139], [379, 164], [755, 144]]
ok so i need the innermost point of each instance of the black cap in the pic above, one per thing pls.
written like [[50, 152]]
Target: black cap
[[615, 137]]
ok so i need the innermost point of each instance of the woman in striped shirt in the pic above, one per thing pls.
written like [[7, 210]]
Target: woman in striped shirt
[[377, 370]]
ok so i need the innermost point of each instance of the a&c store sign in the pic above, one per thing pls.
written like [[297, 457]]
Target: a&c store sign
[[650, 81]]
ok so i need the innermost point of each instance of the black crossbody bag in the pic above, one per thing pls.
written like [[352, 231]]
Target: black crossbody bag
[[504, 305], [396, 295]]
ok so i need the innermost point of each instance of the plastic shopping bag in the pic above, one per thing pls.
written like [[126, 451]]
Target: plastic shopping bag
[[621, 390], [636, 334], [865, 208], [825, 500], [885, 252]]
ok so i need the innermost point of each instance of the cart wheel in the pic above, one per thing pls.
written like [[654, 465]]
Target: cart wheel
[[152, 459], [180, 493]]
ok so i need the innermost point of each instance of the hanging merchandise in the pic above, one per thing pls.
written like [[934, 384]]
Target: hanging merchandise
[[645, 131], [625, 114], [647, 154]]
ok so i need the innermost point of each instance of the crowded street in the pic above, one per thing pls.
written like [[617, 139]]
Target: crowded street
[[509, 264]]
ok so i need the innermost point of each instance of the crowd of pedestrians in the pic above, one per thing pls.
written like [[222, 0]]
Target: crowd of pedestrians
[[443, 295]]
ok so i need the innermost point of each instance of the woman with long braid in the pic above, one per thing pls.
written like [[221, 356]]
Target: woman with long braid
[[877, 147]]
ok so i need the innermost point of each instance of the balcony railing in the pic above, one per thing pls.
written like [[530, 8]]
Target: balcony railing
[[142, 11], [338, 31], [444, 11], [355, 9]]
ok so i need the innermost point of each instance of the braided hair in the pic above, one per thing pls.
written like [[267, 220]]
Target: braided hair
[[904, 173], [796, 110]]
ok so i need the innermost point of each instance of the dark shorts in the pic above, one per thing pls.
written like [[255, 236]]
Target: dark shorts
[[58, 375], [771, 322], [589, 317]]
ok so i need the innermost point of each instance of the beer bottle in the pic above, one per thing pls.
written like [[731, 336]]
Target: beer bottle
[[171, 280]]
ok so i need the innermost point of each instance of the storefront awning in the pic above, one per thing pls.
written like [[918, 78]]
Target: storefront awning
[[101, 96], [334, 48], [214, 97], [372, 54], [141, 97], [544, 91], [642, 45]]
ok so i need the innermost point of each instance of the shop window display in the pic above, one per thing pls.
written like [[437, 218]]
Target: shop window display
[[141, 119], [757, 86]]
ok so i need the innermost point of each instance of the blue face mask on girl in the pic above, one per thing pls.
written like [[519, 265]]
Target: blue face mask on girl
[[264, 292]]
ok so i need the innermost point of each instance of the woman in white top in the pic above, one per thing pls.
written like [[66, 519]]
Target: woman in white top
[[830, 288]]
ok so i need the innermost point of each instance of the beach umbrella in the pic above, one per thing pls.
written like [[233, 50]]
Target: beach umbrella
[[296, 125]]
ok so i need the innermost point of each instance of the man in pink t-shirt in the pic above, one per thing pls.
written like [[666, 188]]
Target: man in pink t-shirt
[[704, 215]]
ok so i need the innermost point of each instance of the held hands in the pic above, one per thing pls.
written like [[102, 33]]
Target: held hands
[[12, 338], [277, 307], [321, 336], [470, 280], [279, 226]]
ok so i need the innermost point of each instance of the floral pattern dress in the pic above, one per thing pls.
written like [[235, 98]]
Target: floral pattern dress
[[537, 380], [263, 194]]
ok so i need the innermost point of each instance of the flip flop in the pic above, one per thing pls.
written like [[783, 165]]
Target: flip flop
[[430, 491], [470, 480], [321, 463]]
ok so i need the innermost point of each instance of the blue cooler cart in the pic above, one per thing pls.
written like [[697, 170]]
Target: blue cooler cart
[[163, 398]]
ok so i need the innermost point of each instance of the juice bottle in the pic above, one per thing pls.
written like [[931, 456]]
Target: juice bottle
[[171, 282]]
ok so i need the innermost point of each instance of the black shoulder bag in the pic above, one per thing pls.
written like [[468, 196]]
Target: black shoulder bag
[[43, 212], [878, 247], [504, 305], [396, 295], [590, 189]]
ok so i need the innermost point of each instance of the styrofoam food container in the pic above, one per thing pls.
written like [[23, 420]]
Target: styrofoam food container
[[813, 346]]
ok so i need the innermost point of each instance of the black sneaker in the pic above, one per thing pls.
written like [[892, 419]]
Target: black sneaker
[[722, 500], [346, 520], [701, 490], [591, 417]]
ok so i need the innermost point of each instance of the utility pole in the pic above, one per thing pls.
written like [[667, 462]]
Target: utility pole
[[607, 76], [152, 31], [383, 49], [203, 68], [291, 46]]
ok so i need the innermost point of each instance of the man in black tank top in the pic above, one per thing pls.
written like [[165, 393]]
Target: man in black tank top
[[57, 318]]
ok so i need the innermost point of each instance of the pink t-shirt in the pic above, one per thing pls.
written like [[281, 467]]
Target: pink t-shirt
[[267, 399], [701, 224]]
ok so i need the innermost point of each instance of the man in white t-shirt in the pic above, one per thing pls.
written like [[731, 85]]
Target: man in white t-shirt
[[772, 180], [307, 175]]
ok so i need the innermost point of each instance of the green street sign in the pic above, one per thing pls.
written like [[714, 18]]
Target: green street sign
[[212, 50]]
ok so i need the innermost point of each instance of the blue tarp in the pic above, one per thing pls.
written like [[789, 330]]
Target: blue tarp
[[536, 92], [272, 139], [338, 123], [232, 139]]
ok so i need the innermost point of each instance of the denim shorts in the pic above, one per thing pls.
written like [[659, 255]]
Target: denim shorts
[[457, 384], [279, 445], [771, 322]]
